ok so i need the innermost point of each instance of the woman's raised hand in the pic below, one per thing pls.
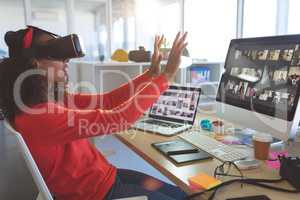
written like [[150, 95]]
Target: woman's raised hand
[[174, 59], [156, 57]]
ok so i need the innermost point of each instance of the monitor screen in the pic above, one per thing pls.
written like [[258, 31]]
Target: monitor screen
[[263, 75], [176, 104], [199, 74]]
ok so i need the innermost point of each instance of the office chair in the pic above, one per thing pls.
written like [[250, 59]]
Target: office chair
[[44, 193]]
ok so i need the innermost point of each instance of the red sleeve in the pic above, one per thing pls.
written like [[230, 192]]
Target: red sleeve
[[110, 99], [62, 125]]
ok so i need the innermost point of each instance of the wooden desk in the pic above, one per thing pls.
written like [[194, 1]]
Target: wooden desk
[[140, 142]]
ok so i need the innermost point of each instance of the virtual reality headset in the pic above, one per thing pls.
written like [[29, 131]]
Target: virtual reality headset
[[21, 44]]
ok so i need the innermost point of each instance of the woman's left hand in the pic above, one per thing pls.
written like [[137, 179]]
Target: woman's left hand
[[156, 57]]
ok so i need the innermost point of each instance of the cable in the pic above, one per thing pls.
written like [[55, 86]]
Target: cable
[[255, 182]]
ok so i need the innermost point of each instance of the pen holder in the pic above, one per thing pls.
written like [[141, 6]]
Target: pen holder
[[218, 127]]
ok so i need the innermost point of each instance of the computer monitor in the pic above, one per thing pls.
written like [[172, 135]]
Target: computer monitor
[[199, 74], [260, 86]]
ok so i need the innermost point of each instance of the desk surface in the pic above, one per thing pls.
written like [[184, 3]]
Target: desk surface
[[140, 142]]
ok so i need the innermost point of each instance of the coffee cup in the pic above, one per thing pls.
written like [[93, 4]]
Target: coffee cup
[[261, 143]]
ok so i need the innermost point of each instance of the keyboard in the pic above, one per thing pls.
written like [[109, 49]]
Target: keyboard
[[217, 149], [161, 123]]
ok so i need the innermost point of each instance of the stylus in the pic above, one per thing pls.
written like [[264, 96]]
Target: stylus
[[178, 152]]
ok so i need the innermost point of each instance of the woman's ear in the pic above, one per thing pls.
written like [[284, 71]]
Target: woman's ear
[[34, 62]]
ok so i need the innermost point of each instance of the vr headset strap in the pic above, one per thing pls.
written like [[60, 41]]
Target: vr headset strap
[[27, 40]]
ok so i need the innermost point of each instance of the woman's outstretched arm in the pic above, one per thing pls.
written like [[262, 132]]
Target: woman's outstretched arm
[[59, 125], [121, 94], [107, 100]]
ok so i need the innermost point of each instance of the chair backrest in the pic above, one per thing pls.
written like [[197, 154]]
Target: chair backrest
[[33, 168]]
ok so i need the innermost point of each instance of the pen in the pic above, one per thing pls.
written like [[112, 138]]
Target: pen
[[178, 152]]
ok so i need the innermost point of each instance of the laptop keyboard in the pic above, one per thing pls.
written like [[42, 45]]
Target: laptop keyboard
[[164, 124]]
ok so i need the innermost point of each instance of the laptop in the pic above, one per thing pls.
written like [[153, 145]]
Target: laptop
[[173, 112]]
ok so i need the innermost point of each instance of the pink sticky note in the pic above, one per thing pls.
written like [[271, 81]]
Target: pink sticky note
[[193, 187], [274, 155]]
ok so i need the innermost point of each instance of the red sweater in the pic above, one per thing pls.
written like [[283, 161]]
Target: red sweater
[[57, 137]]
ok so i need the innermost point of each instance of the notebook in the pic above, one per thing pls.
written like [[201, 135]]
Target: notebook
[[203, 181]]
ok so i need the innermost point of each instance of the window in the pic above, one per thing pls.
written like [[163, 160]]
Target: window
[[294, 17], [156, 17], [211, 25], [102, 31], [169, 21], [10, 10], [123, 25], [85, 26], [259, 18]]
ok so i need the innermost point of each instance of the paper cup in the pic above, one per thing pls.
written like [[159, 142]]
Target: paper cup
[[261, 143]]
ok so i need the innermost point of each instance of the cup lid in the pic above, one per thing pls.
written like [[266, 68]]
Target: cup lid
[[262, 137]]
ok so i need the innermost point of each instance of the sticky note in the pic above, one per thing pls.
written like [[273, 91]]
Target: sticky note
[[203, 181], [274, 156]]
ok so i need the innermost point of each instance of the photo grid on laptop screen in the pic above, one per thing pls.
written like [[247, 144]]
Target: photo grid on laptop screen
[[176, 104]]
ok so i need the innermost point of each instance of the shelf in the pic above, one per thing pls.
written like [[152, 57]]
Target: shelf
[[208, 103], [203, 83], [117, 73]]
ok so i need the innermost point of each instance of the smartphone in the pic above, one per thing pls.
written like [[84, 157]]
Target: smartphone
[[259, 197]]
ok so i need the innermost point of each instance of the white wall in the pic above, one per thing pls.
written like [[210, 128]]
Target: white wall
[[11, 18], [51, 19], [56, 22]]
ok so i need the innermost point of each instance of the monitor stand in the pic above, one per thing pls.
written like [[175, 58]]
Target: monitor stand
[[294, 149]]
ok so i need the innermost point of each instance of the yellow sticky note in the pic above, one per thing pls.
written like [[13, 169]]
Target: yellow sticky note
[[204, 181]]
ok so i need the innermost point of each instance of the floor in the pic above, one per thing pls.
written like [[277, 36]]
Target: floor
[[16, 181], [123, 157]]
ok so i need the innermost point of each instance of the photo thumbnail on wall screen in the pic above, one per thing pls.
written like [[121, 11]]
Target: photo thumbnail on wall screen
[[262, 76]]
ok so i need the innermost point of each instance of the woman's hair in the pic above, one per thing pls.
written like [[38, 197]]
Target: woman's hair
[[33, 89]]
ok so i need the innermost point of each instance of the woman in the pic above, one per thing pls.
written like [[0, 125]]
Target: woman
[[51, 126]]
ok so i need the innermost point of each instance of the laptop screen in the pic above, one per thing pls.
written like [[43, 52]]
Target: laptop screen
[[178, 104]]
